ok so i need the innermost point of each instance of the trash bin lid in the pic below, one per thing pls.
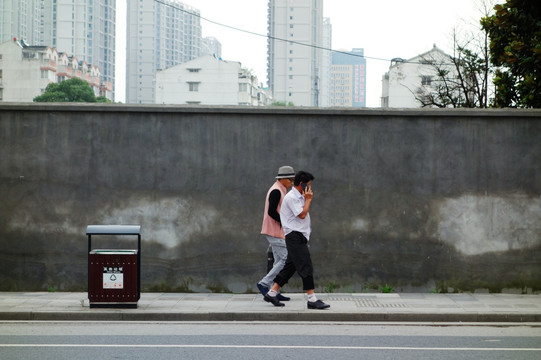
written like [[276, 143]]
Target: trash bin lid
[[113, 230], [113, 252]]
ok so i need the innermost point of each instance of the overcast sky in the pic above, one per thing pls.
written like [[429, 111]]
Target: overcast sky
[[385, 29]]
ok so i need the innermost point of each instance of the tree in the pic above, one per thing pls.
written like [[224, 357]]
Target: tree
[[282, 103], [72, 90], [515, 49], [103, 99], [461, 80]]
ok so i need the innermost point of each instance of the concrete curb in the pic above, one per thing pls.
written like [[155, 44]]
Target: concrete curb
[[321, 316], [163, 307]]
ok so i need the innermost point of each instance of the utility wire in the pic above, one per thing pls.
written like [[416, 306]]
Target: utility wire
[[266, 36], [285, 40]]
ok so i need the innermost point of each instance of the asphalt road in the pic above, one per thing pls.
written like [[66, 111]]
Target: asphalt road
[[235, 340]]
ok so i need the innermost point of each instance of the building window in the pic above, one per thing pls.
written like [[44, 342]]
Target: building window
[[193, 86], [426, 80], [193, 70], [243, 87]]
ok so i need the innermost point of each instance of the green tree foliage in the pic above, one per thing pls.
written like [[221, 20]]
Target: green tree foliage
[[72, 90], [282, 103], [103, 99], [515, 48]]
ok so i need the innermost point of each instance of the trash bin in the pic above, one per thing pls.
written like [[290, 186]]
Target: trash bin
[[114, 276]]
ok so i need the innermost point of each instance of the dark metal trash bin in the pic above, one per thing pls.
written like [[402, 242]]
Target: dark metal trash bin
[[114, 276]]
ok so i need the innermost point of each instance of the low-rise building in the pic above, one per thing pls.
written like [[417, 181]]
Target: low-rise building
[[208, 80], [408, 83], [25, 71]]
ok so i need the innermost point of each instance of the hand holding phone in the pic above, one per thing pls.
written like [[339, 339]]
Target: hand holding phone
[[306, 191]]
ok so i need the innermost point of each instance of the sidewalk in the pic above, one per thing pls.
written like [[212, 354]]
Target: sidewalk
[[372, 307]]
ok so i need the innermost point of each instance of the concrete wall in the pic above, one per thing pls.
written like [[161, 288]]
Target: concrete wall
[[421, 200]]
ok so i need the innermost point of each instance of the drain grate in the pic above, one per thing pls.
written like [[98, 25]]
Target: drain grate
[[370, 302], [377, 304]]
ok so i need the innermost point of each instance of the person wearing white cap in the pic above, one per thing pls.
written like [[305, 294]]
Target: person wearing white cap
[[272, 227]]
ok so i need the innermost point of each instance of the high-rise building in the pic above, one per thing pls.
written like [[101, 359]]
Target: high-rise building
[[326, 63], [348, 79], [158, 35], [83, 28], [294, 64], [21, 20]]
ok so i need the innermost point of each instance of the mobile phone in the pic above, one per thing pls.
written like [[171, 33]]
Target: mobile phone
[[304, 186]]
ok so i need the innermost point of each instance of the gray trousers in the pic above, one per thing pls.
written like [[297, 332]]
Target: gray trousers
[[279, 251]]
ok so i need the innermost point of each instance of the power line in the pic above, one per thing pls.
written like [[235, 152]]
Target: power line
[[266, 36], [285, 40]]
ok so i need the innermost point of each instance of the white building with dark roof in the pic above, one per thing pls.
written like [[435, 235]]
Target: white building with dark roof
[[408, 82], [209, 81]]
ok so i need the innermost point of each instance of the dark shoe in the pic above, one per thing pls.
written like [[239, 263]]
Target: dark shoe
[[282, 297], [319, 305], [273, 300], [263, 289]]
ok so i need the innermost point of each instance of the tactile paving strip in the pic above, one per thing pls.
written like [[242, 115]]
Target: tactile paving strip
[[368, 302]]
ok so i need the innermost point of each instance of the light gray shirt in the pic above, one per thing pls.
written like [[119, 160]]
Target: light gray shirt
[[292, 206]]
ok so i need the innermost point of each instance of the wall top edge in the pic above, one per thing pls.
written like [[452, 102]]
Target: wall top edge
[[85, 107]]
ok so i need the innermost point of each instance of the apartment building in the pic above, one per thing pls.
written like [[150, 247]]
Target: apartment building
[[159, 35], [84, 28], [22, 20], [348, 79], [294, 61], [208, 80], [25, 71]]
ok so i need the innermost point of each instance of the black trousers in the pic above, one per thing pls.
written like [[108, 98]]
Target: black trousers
[[298, 260]]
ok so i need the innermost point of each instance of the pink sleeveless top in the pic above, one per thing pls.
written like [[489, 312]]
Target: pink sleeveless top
[[270, 226]]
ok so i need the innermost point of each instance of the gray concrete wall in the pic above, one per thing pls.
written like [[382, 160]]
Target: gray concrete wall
[[420, 200]]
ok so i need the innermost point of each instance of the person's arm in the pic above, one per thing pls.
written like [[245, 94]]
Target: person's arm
[[274, 200]]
